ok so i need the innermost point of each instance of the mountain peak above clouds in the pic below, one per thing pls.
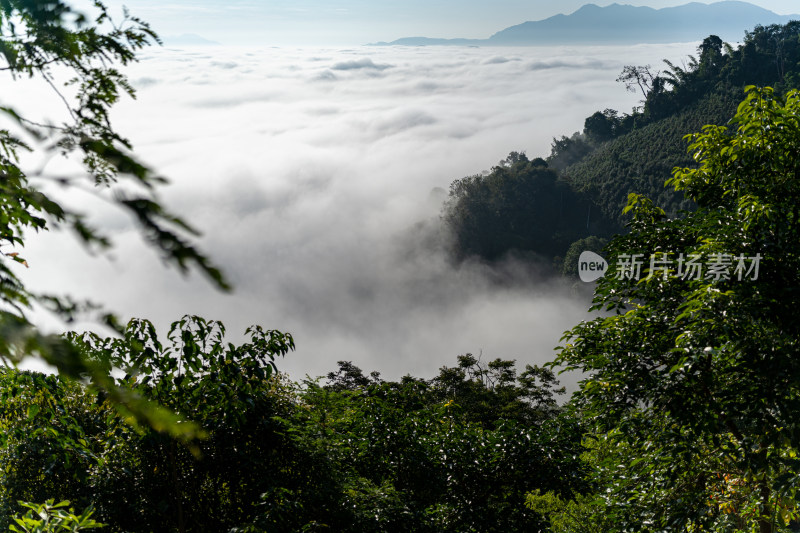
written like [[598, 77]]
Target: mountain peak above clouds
[[626, 24]]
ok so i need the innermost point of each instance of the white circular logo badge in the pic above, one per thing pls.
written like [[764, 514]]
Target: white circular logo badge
[[591, 267]]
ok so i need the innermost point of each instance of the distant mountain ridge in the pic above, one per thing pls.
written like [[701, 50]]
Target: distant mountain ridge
[[625, 24]]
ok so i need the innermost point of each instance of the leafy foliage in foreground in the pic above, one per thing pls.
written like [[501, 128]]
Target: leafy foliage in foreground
[[51, 517], [58, 46], [454, 453], [458, 452], [697, 377]]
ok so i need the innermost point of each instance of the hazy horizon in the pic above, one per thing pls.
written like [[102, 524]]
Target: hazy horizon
[[355, 22]]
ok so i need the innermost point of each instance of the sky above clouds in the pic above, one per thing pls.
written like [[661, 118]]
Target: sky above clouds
[[353, 22]]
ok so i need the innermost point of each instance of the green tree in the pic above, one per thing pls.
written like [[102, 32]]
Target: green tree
[[602, 126], [51, 517], [53, 433], [259, 467], [350, 377], [638, 76], [519, 206], [454, 453], [567, 151], [490, 393], [361, 455], [144, 481], [51, 42], [698, 375]]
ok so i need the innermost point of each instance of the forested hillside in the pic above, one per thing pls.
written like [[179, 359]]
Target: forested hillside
[[640, 161], [593, 171]]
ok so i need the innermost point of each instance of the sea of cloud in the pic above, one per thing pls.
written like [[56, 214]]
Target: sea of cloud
[[316, 177]]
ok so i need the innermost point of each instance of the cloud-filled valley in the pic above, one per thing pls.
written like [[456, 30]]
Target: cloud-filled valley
[[313, 173]]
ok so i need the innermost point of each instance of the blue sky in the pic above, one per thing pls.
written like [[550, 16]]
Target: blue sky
[[353, 22]]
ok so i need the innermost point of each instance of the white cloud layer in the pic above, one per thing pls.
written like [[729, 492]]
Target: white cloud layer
[[310, 173]]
